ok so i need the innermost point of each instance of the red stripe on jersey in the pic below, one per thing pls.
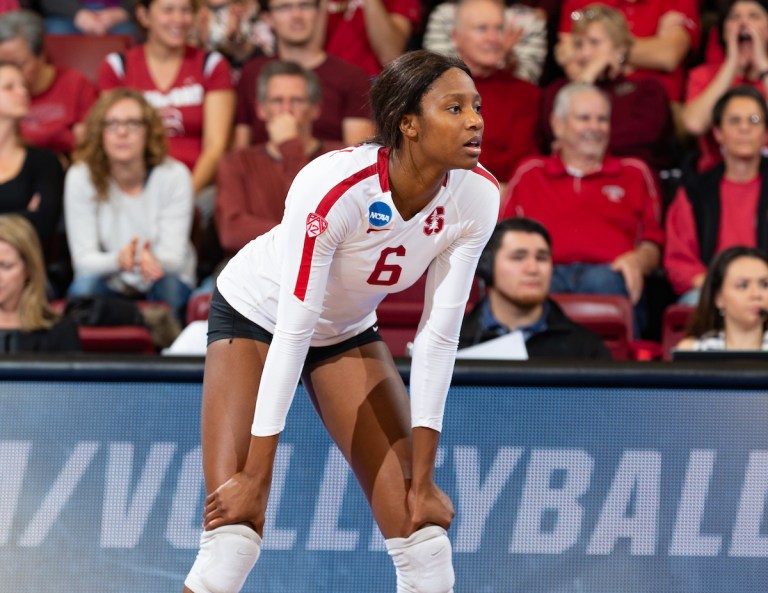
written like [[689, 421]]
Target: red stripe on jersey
[[483, 173], [325, 205]]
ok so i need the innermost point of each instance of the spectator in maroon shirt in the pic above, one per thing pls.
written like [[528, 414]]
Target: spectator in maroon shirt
[[641, 121]]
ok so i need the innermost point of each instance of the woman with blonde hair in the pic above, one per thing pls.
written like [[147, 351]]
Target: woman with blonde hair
[[27, 322], [128, 207], [641, 121]]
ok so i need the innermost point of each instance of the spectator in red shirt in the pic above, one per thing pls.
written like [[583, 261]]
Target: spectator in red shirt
[[190, 88], [510, 104], [664, 32], [253, 182], [641, 122], [345, 114], [370, 33], [744, 33], [726, 205], [603, 212], [60, 97]]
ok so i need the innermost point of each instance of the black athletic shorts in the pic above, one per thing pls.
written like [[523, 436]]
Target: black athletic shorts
[[225, 323]]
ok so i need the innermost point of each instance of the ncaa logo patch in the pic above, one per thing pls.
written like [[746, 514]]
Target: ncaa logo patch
[[379, 214], [316, 225]]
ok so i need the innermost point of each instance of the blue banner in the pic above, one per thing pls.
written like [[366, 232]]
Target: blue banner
[[557, 490]]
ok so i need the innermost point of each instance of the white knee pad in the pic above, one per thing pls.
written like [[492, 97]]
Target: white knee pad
[[423, 561], [226, 556]]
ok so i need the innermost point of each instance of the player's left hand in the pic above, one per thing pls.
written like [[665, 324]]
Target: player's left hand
[[429, 505]]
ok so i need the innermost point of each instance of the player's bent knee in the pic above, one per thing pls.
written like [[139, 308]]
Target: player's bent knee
[[226, 556], [423, 561]]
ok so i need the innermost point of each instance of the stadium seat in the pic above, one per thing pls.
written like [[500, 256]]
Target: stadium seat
[[609, 316], [198, 306], [118, 339], [113, 339], [399, 314], [84, 52], [673, 327]]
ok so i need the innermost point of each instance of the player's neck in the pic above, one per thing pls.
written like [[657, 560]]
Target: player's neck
[[412, 187]]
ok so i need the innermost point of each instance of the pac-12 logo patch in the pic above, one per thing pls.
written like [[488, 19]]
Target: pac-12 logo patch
[[316, 225], [379, 214]]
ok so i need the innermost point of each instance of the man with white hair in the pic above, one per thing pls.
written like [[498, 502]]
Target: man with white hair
[[603, 212]]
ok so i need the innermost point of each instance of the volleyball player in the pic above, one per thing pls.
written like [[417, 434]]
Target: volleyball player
[[300, 301]]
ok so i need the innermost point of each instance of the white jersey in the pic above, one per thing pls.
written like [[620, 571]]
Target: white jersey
[[341, 248]]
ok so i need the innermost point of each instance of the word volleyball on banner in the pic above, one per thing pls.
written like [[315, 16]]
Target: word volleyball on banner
[[557, 490]]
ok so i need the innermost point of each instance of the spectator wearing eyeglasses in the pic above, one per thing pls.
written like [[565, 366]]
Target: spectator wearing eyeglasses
[[726, 205], [345, 115], [253, 182], [128, 207]]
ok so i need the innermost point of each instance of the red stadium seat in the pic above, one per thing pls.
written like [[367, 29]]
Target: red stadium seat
[[113, 339], [118, 339], [198, 306], [399, 314], [673, 327], [84, 52], [609, 316]]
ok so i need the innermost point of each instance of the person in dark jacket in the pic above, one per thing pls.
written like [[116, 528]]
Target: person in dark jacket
[[516, 267], [27, 322]]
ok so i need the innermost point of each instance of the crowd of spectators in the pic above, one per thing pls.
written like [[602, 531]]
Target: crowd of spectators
[[633, 131]]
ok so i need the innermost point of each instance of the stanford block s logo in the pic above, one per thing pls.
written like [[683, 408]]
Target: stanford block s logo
[[316, 225], [434, 222]]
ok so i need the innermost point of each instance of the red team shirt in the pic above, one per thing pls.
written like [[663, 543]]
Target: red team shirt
[[594, 218], [181, 105], [341, 247], [346, 36], [54, 112]]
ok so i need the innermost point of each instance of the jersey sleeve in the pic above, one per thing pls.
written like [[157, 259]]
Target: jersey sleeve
[[111, 73], [319, 216], [449, 281], [218, 75]]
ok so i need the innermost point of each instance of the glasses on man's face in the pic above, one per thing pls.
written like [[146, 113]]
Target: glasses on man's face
[[737, 120], [288, 7], [129, 125], [293, 102]]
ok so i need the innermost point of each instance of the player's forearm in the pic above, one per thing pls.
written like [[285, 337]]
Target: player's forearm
[[425, 441]]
